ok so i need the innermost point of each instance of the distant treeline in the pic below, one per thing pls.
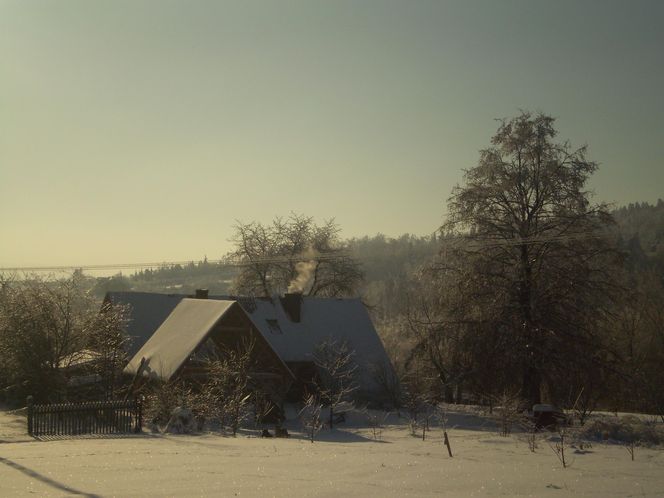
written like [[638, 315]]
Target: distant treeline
[[388, 262], [641, 227]]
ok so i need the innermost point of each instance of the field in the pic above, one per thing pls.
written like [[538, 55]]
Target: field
[[348, 461]]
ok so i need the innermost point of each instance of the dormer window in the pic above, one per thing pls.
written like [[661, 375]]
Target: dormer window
[[273, 325]]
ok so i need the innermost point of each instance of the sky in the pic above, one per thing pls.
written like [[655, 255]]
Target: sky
[[141, 130]]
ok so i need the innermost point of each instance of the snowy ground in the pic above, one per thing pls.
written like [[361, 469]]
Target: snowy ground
[[344, 462]]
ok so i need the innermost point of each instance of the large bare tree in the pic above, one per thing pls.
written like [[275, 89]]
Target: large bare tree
[[293, 254], [526, 257]]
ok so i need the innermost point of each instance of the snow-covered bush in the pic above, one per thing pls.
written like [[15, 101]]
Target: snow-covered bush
[[162, 400], [626, 429], [181, 422]]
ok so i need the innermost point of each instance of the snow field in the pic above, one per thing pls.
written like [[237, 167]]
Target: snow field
[[344, 462]]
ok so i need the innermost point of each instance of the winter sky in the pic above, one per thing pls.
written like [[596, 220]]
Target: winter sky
[[139, 130]]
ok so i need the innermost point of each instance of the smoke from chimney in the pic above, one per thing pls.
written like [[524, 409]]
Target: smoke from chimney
[[305, 272]]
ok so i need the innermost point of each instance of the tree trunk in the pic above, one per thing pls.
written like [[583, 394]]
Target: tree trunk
[[532, 384], [532, 378], [448, 393]]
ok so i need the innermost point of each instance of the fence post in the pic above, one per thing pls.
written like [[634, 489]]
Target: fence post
[[139, 408], [30, 403]]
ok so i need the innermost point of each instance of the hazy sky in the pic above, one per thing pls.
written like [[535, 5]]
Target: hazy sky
[[138, 130]]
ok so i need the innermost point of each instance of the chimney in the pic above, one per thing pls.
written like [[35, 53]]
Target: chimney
[[201, 293], [292, 304]]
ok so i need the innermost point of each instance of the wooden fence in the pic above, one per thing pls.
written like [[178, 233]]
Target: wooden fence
[[93, 417]]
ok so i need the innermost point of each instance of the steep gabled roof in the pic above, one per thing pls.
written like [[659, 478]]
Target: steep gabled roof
[[185, 329], [321, 319]]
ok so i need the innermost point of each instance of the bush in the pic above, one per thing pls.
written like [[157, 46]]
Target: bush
[[626, 429], [162, 400]]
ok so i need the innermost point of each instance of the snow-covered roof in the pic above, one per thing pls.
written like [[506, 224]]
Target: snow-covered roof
[[147, 311], [321, 319], [187, 326]]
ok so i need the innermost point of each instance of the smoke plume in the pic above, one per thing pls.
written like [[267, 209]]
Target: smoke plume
[[305, 272]]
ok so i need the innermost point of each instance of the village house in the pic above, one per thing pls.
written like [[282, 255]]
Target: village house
[[169, 332]]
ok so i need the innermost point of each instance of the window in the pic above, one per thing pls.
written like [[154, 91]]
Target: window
[[274, 326]]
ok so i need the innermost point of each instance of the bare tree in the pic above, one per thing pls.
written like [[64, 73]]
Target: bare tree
[[560, 446], [508, 406], [311, 415], [419, 396], [527, 252], [439, 339], [639, 331], [376, 420], [108, 340], [387, 377], [293, 254], [337, 370], [530, 431], [228, 390], [631, 441]]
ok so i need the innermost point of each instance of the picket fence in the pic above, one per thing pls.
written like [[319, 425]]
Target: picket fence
[[92, 417]]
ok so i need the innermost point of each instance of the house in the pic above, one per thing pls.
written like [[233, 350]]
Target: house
[[199, 326], [169, 328]]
